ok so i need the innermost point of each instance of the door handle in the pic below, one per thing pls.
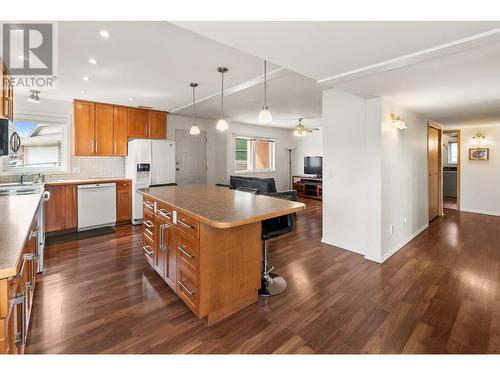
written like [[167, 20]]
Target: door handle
[[176, 169]]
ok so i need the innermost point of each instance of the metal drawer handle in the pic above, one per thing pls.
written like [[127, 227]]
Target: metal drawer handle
[[190, 292], [186, 253], [34, 233], [149, 223], [163, 246], [164, 212], [145, 248], [180, 221], [149, 205], [20, 299]]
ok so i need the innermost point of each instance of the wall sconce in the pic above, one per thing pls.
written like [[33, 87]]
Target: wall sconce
[[398, 122], [479, 139]]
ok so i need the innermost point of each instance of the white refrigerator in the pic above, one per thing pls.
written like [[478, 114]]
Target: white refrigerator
[[149, 163]]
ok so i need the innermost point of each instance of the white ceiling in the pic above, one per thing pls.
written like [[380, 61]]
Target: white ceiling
[[290, 96], [152, 62], [460, 89], [321, 50]]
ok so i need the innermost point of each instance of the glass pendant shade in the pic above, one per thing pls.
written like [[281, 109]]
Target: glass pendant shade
[[222, 125], [195, 130], [265, 115]]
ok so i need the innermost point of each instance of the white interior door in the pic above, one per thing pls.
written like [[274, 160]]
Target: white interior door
[[190, 157]]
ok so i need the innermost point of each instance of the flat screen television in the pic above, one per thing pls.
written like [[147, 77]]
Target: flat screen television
[[313, 165]]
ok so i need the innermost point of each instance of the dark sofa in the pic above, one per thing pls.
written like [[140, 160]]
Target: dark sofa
[[259, 185]]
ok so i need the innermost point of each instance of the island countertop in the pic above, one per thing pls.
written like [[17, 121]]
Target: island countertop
[[222, 207], [18, 212]]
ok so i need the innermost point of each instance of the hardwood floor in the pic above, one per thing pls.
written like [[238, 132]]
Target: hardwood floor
[[439, 294], [450, 202]]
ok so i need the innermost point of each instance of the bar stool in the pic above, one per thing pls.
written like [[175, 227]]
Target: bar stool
[[271, 283]]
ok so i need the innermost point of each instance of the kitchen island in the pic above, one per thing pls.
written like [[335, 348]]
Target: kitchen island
[[205, 242]]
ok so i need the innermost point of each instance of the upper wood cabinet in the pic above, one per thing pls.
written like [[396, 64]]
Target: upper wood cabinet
[[157, 125], [137, 123], [6, 94], [104, 143], [83, 135], [104, 129], [120, 122]]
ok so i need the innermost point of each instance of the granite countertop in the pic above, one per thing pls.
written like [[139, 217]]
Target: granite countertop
[[18, 212], [221, 207]]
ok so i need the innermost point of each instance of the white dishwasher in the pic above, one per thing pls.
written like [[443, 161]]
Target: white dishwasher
[[96, 205]]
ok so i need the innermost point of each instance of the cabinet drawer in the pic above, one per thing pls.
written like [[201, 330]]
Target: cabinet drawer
[[148, 205], [188, 225], [149, 227], [148, 249], [188, 252], [123, 184], [164, 211], [187, 287]]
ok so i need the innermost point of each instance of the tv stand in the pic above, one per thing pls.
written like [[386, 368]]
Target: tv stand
[[308, 186]]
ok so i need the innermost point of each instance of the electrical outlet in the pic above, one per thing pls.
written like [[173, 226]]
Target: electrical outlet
[[391, 229], [76, 169], [404, 221]]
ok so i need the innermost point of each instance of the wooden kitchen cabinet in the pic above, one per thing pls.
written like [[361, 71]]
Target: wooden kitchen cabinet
[[120, 127], [6, 93], [55, 209], [83, 135], [123, 201], [16, 298], [157, 125], [103, 132], [137, 123], [71, 204]]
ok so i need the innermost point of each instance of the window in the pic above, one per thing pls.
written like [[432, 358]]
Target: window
[[253, 155], [452, 153], [43, 148]]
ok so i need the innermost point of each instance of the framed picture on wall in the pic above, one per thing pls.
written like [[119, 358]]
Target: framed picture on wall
[[479, 153]]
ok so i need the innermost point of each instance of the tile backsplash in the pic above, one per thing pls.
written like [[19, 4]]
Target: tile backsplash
[[85, 167]]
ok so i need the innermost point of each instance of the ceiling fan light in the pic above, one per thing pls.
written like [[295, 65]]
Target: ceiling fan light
[[195, 130], [265, 115], [299, 133], [222, 125]]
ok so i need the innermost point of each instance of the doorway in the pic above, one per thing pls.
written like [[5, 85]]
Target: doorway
[[434, 169], [451, 169], [190, 158]]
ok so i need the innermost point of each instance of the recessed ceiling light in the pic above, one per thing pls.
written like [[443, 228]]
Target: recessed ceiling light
[[92, 60], [104, 34], [131, 99], [86, 78]]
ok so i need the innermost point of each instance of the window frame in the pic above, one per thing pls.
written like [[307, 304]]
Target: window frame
[[65, 123], [252, 154], [450, 152]]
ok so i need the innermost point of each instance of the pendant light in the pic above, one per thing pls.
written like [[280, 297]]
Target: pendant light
[[195, 130], [222, 124], [265, 113]]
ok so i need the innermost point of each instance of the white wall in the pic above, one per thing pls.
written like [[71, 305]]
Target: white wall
[[220, 146], [347, 161], [374, 175], [309, 145], [404, 178], [480, 180]]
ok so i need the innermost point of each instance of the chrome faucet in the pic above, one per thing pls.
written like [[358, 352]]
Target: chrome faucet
[[38, 177]]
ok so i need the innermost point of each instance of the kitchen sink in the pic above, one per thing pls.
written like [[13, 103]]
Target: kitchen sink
[[20, 189]]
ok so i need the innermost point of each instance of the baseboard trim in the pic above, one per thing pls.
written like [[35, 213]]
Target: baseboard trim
[[474, 211], [399, 246]]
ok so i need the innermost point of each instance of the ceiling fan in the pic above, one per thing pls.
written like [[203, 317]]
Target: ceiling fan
[[301, 130]]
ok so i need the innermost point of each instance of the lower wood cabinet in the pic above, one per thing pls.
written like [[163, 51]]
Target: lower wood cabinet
[[16, 298], [214, 271], [61, 210]]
